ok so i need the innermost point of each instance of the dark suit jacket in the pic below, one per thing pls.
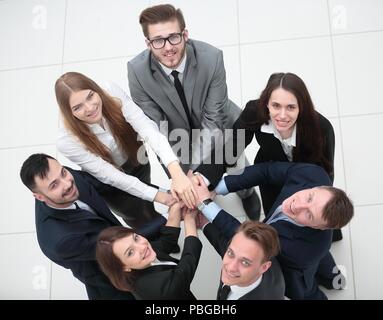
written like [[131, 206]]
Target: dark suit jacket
[[68, 237], [270, 148], [303, 249], [169, 282], [272, 286]]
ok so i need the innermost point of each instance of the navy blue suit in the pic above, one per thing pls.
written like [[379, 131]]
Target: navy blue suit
[[68, 237], [304, 251], [272, 286]]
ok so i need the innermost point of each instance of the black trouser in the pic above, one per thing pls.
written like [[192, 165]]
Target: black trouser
[[136, 212]]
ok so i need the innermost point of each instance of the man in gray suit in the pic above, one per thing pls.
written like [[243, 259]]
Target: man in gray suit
[[181, 84]]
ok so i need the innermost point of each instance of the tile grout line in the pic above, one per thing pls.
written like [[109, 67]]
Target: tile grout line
[[218, 45], [16, 233], [27, 146], [341, 138], [239, 55], [58, 124]]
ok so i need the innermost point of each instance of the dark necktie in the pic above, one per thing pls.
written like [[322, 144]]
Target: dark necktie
[[181, 94], [224, 292], [76, 205]]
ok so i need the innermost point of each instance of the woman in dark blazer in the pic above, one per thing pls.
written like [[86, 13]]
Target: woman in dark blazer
[[146, 269], [287, 128]]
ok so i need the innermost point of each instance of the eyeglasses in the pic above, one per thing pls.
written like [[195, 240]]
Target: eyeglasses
[[173, 39]]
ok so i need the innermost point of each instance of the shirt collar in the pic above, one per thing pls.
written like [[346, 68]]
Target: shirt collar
[[96, 128], [70, 207], [180, 68], [241, 291], [270, 128], [157, 262]]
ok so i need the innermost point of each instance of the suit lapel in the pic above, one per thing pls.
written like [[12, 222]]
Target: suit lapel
[[89, 195], [170, 91], [190, 77]]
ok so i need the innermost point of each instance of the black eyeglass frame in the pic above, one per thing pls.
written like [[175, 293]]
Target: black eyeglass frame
[[180, 34]]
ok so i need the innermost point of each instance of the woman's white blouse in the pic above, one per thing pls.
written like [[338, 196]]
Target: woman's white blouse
[[74, 150]]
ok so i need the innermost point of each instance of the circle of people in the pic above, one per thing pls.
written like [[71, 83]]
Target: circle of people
[[181, 82]]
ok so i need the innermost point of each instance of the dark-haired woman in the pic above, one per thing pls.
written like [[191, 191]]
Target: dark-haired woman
[[146, 269], [287, 128]]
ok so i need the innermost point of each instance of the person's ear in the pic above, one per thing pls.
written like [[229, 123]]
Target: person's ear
[[265, 266], [127, 269], [38, 196], [147, 42], [186, 35]]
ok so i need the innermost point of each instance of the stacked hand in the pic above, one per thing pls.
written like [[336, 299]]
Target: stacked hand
[[200, 187], [183, 188], [189, 214], [165, 198], [201, 220]]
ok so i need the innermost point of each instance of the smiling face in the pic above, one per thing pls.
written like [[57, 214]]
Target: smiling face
[[243, 262], [306, 207], [86, 106], [134, 251], [58, 188], [170, 55], [284, 110]]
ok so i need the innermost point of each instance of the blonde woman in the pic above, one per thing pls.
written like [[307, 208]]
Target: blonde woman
[[101, 134]]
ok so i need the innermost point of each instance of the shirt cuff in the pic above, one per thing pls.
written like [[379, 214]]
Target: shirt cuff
[[150, 193], [207, 182], [211, 211], [221, 187], [167, 158]]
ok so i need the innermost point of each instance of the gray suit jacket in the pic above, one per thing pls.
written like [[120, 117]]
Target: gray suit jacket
[[204, 83]]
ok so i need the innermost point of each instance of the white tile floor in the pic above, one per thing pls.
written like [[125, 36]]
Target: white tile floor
[[334, 45]]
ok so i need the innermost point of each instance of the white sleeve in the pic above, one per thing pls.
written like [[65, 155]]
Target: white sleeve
[[73, 149], [143, 125]]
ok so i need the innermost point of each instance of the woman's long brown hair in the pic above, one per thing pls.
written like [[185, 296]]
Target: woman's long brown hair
[[310, 141], [109, 263], [122, 131]]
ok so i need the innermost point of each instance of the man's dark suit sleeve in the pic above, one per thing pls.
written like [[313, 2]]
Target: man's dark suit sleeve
[[216, 238], [78, 248], [226, 224], [272, 173], [212, 172]]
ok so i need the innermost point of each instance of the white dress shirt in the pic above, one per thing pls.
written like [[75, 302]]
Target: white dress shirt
[[147, 129], [81, 204], [157, 262], [180, 69], [237, 292]]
